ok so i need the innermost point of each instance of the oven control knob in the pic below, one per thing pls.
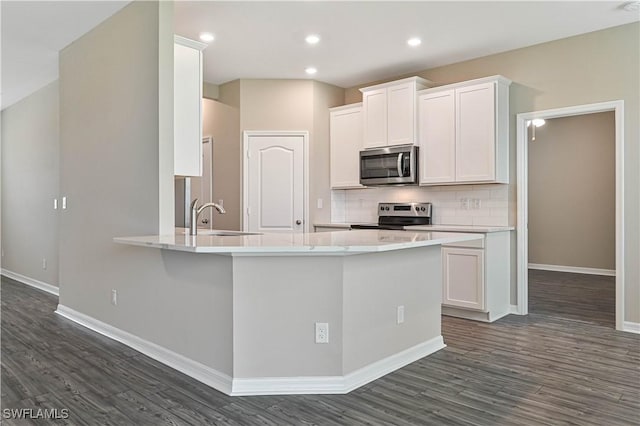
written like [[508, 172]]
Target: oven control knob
[[386, 208], [381, 208], [417, 208], [422, 208]]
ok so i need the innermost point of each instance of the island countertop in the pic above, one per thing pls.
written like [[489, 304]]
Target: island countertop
[[321, 243]]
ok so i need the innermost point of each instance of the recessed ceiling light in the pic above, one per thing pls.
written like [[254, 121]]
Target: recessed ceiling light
[[207, 37], [631, 6], [312, 38], [310, 70], [413, 42]]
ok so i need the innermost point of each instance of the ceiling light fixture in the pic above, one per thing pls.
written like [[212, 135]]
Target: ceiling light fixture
[[632, 6], [207, 37], [413, 42], [310, 70], [312, 39]]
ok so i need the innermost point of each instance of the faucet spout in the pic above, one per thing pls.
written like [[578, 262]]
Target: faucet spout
[[195, 212]]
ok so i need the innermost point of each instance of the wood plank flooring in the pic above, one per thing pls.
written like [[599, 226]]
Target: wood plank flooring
[[536, 370]]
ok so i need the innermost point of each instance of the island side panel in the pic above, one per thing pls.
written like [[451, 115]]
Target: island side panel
[[276, 302], [375, 285]]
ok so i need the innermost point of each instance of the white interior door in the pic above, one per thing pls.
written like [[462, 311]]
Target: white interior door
[[275, 183]]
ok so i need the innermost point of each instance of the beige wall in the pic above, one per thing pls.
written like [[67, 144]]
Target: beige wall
[[288, 105], [595, 67], [572, 192], [222, 123], [30, 150]]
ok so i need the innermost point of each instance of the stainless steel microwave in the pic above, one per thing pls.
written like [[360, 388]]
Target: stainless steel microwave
[[396, 165]]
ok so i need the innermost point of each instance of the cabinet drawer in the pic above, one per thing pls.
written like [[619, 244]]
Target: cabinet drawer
[[479, 243]]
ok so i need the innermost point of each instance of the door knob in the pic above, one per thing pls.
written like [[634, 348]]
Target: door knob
[[298, 222]]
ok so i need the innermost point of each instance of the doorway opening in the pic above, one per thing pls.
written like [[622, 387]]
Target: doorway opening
[[523, 260]]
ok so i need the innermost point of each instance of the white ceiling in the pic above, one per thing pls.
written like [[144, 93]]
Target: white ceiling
[[361, 41]]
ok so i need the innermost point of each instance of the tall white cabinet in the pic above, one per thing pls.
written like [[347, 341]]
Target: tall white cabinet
[[345, 127], [389, 112], [464, 132], [187, 111]]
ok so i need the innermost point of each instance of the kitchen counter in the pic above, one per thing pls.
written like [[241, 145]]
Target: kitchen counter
[[377, 293], [460, 228], [323, 243]]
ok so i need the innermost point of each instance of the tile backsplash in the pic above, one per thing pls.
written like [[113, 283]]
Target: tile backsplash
[[488, 205]]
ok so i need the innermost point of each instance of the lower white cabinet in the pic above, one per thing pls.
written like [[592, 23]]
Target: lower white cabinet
[[476, 278], [463, 277]]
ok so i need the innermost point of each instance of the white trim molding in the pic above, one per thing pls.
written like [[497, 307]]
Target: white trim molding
[[335, 384], [573, 269], [257, 385], [522, 241], [513, 309], [631, 327], [40, 285], [191, 368]]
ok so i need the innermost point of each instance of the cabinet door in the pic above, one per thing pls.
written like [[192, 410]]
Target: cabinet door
[[463, 278], [401, 106], [187, 125], [475, 133], [374, 108], [345, 145], [437, 130]]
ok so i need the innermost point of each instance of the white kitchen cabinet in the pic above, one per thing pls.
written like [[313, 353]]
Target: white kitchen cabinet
[[187, 111], [463, 277], [464, 132], [476, 278], [345, 141], [389, 112]]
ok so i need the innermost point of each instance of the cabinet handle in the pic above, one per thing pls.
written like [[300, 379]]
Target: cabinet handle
[[298, 222]]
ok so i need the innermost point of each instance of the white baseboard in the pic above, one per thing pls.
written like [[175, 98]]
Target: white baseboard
[[335, 384], [40, 285], [513, 309], [631, 327], [200, 372], [258, 385], [573, 269]]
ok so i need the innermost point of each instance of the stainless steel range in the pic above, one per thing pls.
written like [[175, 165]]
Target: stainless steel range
[[398, 215]]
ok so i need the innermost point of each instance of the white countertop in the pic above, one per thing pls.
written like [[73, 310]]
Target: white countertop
[[320, 243], [459, 228], [434, 228]]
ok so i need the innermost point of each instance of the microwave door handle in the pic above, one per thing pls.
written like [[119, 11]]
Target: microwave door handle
[[399, 165]]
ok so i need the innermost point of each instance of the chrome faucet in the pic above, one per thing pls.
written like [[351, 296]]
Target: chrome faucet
[[195, 212]]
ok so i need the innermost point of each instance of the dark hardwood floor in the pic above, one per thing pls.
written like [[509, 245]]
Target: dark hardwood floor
[[580, 297], [535, 370]]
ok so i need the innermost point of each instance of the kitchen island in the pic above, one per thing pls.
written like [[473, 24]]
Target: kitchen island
[[308, 313]]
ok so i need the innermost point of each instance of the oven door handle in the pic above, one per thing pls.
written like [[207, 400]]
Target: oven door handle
[[399, 165]]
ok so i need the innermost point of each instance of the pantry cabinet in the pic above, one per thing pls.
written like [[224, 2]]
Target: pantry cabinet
[[187, 111], [464, 132], [389, 112], [345, 143]]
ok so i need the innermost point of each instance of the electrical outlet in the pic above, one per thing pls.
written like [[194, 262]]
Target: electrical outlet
[[322, 332], [44, 263], [2, 254], [114, 297], [221, 202], [400, 314], [464, 203], [477, 203]]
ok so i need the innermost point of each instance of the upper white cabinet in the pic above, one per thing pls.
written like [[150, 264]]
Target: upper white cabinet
[[464, 132], [389, 112], [345, 145], [187, 111]]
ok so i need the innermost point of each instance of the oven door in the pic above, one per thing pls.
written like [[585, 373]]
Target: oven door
[[389, 166]]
